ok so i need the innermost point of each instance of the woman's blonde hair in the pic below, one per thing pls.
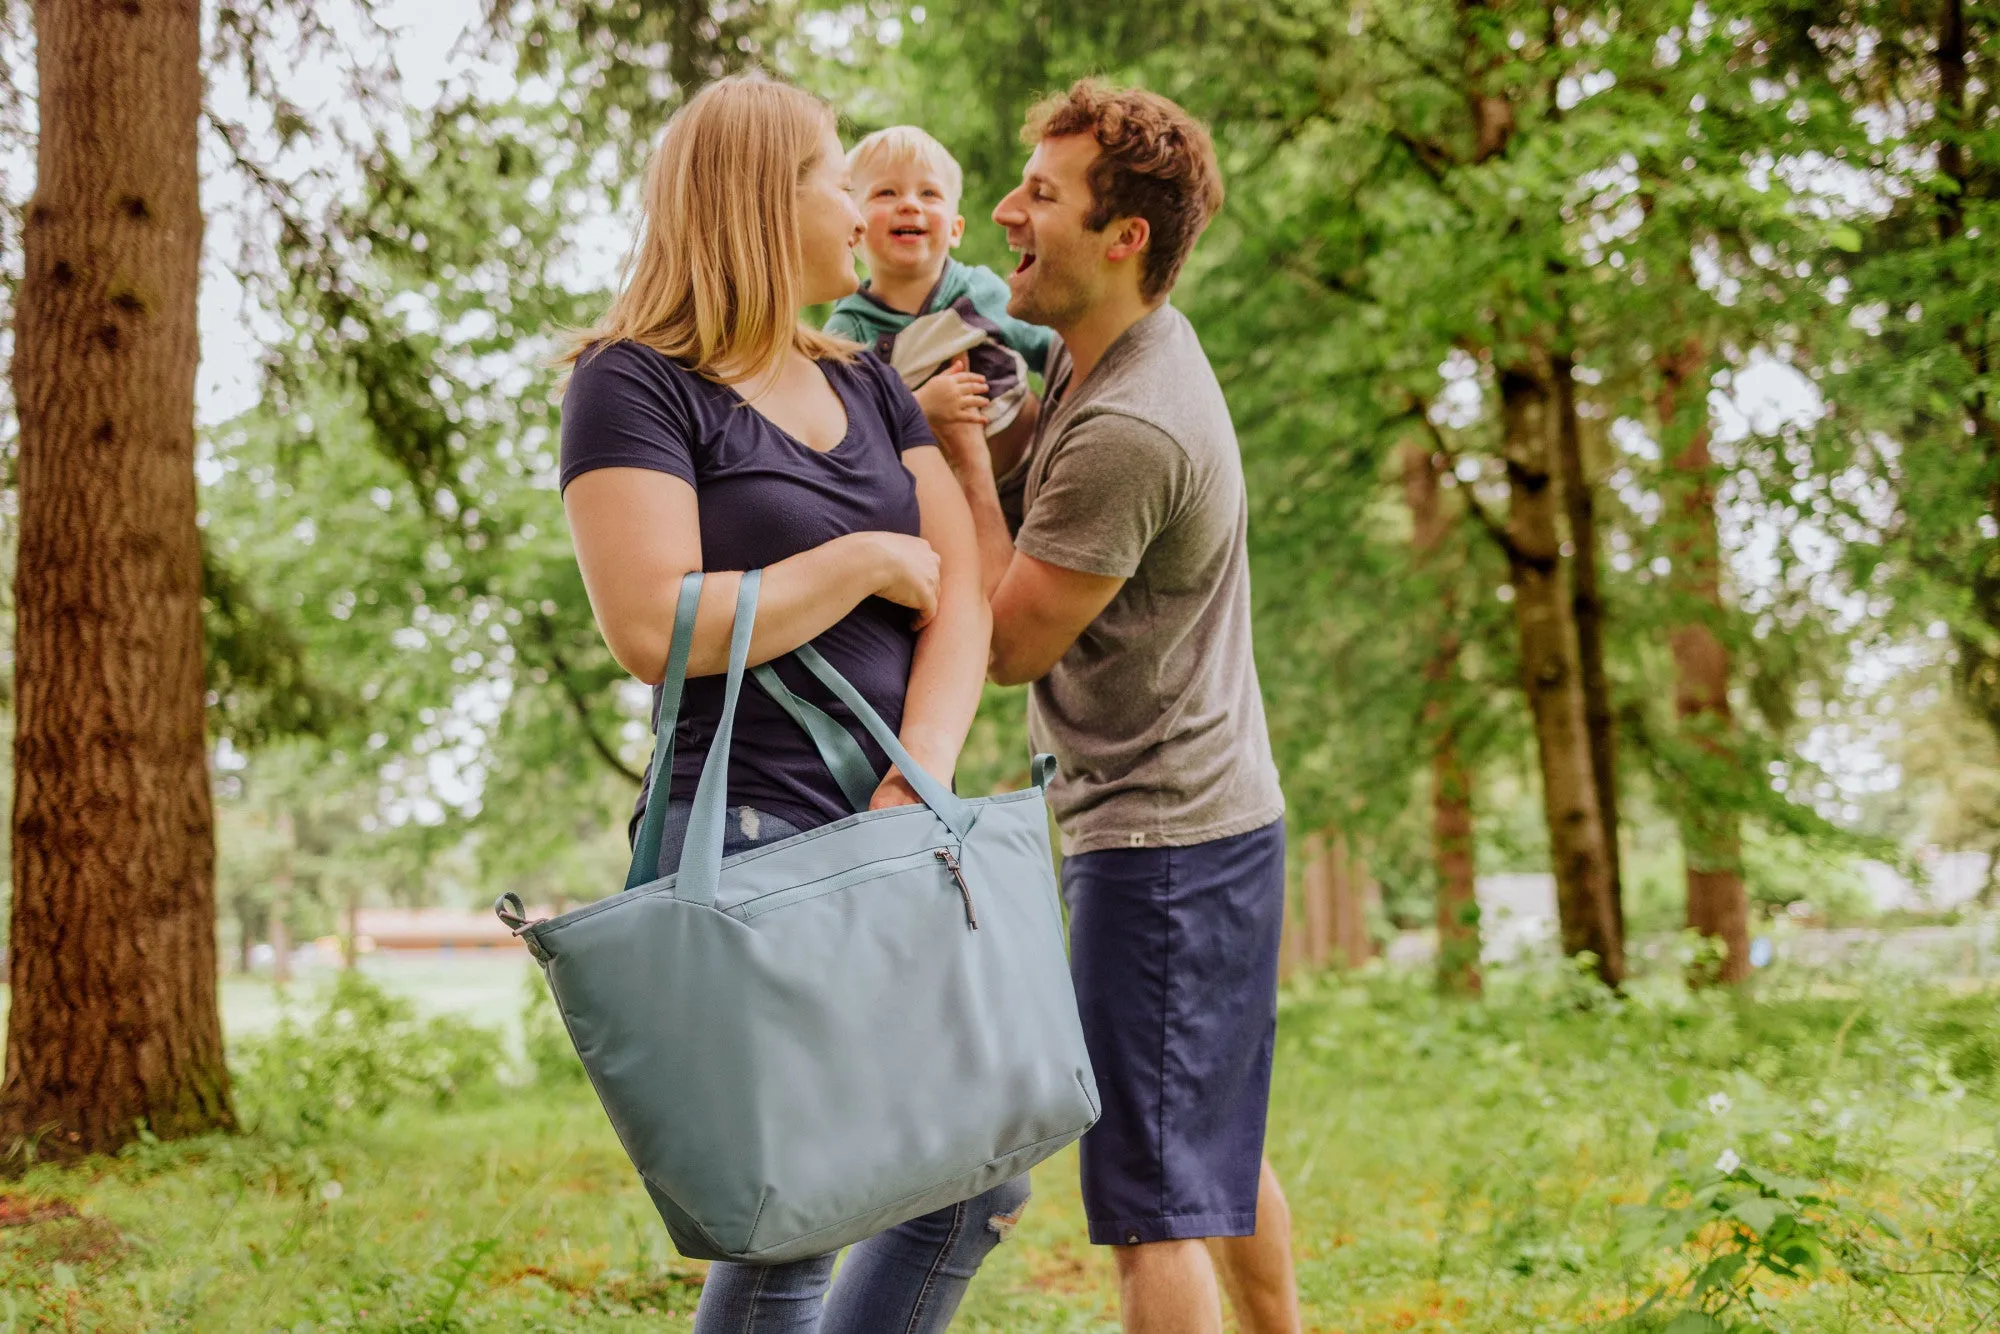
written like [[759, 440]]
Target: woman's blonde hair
[[714, 279]]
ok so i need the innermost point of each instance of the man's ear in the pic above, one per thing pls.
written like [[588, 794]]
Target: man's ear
[[957, 230], [1128, 238]]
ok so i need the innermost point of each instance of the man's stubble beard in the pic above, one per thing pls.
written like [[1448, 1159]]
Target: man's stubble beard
[[1053, 299]]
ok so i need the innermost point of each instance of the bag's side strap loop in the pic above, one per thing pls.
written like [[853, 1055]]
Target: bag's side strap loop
[[842, 755], [646, 848], [701, 854], [1044, 770], [512, 913], [954, 812]]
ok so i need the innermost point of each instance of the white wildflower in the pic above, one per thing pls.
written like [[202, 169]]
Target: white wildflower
[[1718, 1103], [1728, 1162], [331, 1191]]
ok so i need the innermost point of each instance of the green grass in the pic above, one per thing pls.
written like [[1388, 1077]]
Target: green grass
[[1450, 1168]]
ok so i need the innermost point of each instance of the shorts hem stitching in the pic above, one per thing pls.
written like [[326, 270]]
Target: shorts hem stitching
[[1170, 1227]]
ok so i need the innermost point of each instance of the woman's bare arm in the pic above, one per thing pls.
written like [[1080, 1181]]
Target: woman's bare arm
[[950, 665], [636, 534]]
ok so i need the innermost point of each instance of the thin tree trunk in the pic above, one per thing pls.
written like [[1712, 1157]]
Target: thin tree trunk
[[281, 903], [1549, 674], [1317, 889], [1291, 941], [350, 939], [1340, 901], [1451, 781], [1587, 610], [113, 1022], [246, 938], [1951, 70], [1451, 855], [1356, 891], [1710, 837]]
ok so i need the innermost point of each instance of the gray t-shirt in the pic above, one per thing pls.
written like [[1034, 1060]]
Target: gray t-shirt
[[1154, 713]]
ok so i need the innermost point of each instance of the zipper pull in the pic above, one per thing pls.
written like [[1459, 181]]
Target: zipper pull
[[950, 861]]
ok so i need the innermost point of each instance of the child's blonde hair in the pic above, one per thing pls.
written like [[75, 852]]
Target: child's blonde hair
[[715, 277], [901, 144]]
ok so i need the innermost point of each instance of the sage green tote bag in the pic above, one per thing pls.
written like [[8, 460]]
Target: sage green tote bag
[[816, 1039]]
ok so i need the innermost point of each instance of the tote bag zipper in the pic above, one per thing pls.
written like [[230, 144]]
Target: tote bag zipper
[[860, 875]]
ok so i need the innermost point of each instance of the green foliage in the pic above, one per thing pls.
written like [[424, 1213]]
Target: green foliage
[[363, 1053], [1542, 1161], [1422, 200], [1736, 1227]]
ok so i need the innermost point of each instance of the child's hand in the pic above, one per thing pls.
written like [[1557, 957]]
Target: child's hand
[[955, 396]]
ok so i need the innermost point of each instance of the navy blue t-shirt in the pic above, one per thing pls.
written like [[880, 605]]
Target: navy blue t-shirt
[[764, 496]]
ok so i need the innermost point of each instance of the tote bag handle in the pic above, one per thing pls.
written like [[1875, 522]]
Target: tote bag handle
[[701, 854], [837, 749], [652, 825]]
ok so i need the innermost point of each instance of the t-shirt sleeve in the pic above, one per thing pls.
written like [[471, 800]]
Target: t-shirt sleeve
[[989, 292], [907, 426], [620, 411], [1112, 484]]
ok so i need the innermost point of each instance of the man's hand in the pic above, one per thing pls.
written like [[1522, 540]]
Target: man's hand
[[955, 396]]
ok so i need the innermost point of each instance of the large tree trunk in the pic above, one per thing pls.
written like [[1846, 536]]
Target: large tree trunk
[[1550, 676], [1710, 836], [1587, 610], [1451, 781], [113, 1022]]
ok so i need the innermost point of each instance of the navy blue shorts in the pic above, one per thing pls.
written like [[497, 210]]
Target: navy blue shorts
[[1174, 952]]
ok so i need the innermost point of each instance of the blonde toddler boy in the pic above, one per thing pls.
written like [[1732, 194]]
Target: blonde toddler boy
[[941, 324]]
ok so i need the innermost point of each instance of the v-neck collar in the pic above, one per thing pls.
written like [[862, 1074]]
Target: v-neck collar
[[846, 411]]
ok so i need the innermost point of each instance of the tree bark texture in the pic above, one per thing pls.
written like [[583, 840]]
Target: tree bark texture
[[1587, 610], [1710, 835], [1451, 780], [113, 1021], [1550, 676]]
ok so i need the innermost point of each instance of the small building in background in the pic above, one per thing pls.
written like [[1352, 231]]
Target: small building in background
[[430, 930]]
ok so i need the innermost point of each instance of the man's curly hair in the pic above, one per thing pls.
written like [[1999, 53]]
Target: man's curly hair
[[1154, 162]]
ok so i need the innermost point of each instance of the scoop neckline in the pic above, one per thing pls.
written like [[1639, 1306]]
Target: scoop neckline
[[846, 412]]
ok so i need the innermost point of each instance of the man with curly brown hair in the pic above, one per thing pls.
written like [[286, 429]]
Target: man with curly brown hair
[[1113, 549]]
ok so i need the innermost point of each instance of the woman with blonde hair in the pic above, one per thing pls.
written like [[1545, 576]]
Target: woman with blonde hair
[[705, 427]]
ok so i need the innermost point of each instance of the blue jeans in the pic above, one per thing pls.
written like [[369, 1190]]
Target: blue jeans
[[906, 1280]]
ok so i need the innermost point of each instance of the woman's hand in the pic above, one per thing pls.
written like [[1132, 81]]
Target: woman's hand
[[909, 572], [955, 396], [894, 790]]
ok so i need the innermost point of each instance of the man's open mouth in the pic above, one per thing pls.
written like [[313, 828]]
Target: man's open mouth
[[1027, 261]]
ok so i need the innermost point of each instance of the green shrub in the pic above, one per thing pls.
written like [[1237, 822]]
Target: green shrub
[[551, 1056], [362, 1053]]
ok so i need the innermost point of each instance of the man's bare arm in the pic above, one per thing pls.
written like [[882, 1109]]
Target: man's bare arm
[[1007, 447], [965, 447], [1039, 609]]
